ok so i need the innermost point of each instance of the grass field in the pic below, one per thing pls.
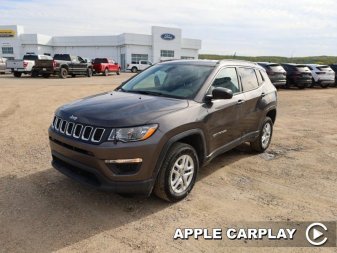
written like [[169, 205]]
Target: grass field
[[277, 59]]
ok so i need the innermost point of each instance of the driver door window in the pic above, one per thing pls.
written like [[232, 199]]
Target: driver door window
[[227, 78]]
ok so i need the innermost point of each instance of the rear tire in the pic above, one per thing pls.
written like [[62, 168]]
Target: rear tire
[[118, 72], [17, 74], [134, 70], [63, 73], [262, 142], [106, 72], [34, 74], [324, 86], [313, 83], [89, 72], [178, 173]]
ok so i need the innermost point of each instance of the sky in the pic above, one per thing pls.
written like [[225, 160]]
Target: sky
[[288, 28]]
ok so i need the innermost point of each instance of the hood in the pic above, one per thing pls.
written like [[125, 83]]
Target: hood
[[119, 109]]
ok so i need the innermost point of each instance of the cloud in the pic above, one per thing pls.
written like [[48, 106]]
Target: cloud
[[248, 27]]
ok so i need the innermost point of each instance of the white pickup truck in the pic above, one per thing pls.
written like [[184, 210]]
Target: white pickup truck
[[25, 66], [138, 66]]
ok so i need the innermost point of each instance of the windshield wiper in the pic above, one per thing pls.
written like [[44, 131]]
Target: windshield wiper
[[121, 89], [153, 93], [146, 92]]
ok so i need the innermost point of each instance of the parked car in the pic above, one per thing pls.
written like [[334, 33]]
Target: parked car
[[25, 66], [62, 65], [106, 66], [156, 130], [276, 73], [298, 75], [3, 65], [322, 75], [334, 68], [138, 66]]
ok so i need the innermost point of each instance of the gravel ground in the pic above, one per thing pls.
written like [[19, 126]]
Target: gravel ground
[[42, 210]]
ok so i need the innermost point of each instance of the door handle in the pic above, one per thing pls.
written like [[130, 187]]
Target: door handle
[[263, 94], [240, 101]]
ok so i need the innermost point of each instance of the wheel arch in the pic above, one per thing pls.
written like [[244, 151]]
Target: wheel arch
[[271, 113], [193, 137]]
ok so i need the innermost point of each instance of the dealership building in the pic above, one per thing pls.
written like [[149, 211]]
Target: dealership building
[[164, 43]]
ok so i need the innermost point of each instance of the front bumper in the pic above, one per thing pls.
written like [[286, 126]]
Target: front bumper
[[86, 163], [326, 81], [279, 82], [92, 178]]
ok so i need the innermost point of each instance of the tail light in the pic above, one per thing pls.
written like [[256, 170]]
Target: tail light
[[55, 64], [25, 64]]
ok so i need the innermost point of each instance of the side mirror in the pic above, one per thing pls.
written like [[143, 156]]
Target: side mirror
[[220, 93]]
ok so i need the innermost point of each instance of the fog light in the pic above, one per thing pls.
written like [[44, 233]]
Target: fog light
[[134, 160]]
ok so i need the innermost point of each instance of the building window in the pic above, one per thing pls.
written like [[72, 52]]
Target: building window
[[7, 50], [187, 58], [135, 58], [166, 53]]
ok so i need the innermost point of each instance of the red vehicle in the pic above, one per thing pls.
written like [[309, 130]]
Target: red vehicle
[[105, 66]]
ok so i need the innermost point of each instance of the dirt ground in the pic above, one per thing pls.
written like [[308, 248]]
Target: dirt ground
[[42, 211]]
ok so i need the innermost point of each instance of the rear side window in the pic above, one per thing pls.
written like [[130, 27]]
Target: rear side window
[[259, 77], [264, 75], [248, 79], [227, 78]]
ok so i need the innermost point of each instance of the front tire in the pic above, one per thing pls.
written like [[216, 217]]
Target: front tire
[[118, 72], [106, 72], [134, 70], [17, 74], [178, 173], [263, 140]]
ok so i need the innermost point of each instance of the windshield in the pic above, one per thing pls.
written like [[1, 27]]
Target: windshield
[[100, 60], [302, 68], [324, 68], [62, 57], [276, 68], [170, 80]]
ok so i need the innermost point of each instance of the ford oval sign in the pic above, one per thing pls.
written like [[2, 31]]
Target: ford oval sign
[[167, 36]]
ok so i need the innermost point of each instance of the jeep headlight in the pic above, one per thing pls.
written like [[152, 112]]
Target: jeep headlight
[[129, 134]]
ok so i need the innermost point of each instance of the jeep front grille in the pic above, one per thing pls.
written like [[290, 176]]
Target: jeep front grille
[[78, 131]]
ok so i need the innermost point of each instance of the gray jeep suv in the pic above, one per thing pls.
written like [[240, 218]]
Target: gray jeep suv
[[154, 132]]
